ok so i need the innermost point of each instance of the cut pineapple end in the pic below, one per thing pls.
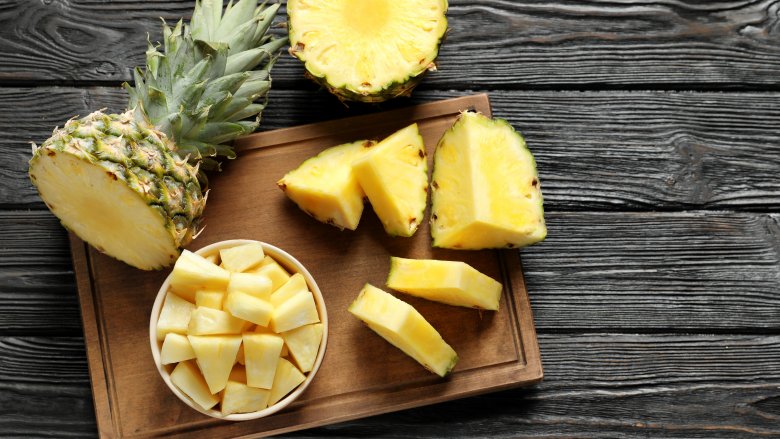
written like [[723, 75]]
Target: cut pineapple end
[[103, 211]]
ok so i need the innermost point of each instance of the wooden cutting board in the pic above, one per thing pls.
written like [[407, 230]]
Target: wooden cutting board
[[361, 374]]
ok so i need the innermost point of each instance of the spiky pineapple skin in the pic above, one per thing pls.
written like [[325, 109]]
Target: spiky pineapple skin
[[141, 157]]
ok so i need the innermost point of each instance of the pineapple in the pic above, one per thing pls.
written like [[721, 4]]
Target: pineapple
[[402, 326], [175, 316], [257, 285], [261, 356], [176, 348], [394, 175], [486, 191], [451, 282], [130, 184], [209, 299], [208, 321], [303, 344], [286, 378], [250, 308], [240, 398], [278, 275], [189, 380], [242, 257], [296, 311], [367, 50], [215, 355], [326, 188], [192, 272], [296, 284]]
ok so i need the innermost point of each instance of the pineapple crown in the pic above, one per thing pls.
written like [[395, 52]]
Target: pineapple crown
[[210, 84]]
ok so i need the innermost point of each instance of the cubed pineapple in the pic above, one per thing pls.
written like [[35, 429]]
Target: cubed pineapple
[[240, 398], [278, 275], [208, 321], [175, 316], [193, 272], [297, 311], [189, 380], [304, 343], [215, 355], [261, 354], [176, 348], [286, 378], [250, 308], [258, 285], [296, 284], [209, 299], [242, 257]]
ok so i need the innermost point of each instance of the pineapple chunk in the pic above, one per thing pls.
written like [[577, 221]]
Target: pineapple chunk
[[240, 398], [486, 191], [405, 328], [297, 311], [209, 299], [249, 308], [258, 285], [175, 316], [216, 355], [213, 258], [176, 348], [304, 343], [242, 257], [278, 275], [189, 380], [286, 378], [261, 352], [325, 187], [265, 330], [240, 359], [296, 284], [208, 321], [394, 175], [193, 272], [450, 282]]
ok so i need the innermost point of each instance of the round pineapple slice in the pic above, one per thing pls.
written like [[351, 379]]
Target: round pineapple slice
[[367, 50]]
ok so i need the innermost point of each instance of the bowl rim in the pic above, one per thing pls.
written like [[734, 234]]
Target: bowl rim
[[291, 264]]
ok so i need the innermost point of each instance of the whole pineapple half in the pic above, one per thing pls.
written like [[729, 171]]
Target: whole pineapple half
[[367, 50], [130, 184]]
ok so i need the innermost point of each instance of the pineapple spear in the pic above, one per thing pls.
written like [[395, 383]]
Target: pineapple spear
[[130, 184]]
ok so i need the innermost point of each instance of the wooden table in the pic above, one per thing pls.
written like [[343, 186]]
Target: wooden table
[[656, 128]]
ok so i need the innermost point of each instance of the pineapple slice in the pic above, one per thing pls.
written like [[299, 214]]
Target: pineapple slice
[[175, 316], [176, 348], [297, 311], [296, 284], [394, 175], [209, 299], [210, 321], [367, 50], [286, 378], [304, 343], [240, 398], [255, 284], [242, 257], [486, 190], [264, 330], [215, 355], [193, 272], [261, 353], [272, 270], [189, 380], [325, 187], [250, 308], [450, 282], [405, 328]]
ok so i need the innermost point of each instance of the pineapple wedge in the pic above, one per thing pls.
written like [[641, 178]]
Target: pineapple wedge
[[189, 380], [255, 284], [402, 326], [175, 316], [261, 355], [486, 191], [278, 275], [264, 330], [394, 175], [325, 187], [241, 257], [240, 398], [176, 348], [210, 321], [451, 282], [215, 355], [249, 308], [296, 284], [193, 272], [286, 378], [304, 343], [297, 311], [209, 299]]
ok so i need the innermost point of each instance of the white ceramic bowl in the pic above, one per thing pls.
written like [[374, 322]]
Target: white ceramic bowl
[[293, 266]]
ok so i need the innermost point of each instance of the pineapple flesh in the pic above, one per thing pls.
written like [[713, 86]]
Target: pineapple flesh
[[394, 176], [130, 184], [486, 191], [367, 50], [325, 187]]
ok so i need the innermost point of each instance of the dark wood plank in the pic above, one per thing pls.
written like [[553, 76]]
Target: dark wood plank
[[518, 44], [595, 151], [595, 385], [697, 272]]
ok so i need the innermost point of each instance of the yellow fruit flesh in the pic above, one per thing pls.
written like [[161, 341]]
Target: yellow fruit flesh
[[304, 343], [297, 311], [176, 348], [296, 284], [210, 321], [175, 316], [209, 299], [451, 282], [394, 176], [215, 356], [405, 328], [240, 398], [189, 380], [193, 272], [254, 284], [261, 356], [239, 258], [249, 308], [286, 378], [486, 191], [278, 275]]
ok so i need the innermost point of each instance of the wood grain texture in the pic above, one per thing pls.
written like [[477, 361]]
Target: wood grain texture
[[594, 150], [492, 44], [596, 385], [695, 271]]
